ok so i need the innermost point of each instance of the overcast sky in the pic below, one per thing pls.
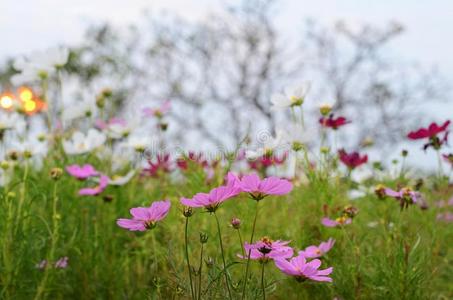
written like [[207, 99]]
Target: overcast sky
[[27, 25]]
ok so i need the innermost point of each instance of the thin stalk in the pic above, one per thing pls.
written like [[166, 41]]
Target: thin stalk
[[187, 257], [223, 256], [250, 251], [240, 241], [262, 281], [200, 269], [439, 161], [22, 195], [51, 254]]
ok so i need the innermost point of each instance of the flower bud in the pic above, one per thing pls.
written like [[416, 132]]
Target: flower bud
[[203, 237], [209, 262], [4, 165], [325, 109], [325, 150], [187, 211], [379, 190], [350, 211], [56, 173], [236, 223], [404, 153], [107, 198], [27, 154], [13, 155]]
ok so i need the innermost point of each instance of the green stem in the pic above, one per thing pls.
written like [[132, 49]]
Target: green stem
[[51, 254], [22, 195], [200, 269], [187, 257], [262, 281], [250, 251], [240, 241], [439, 161], [223, 256]]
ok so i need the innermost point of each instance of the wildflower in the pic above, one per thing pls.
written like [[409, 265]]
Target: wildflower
[[115, 128], [303, 270], [333, 123], [62, 263], [263, 162], [266, 249], [352, 160], [157, 112], [121, 180], [350, 211], [56, 173], [103, 183], [183, 162], [81, 109], [318, 251], [341, 221], [82, 172], [213, 199], [81, 143], [431, 133], [39, 65], [269, 145], [203, 237], [160, 165], [257, 188], [144, 218], [445, 217], [405, 196], [325, 109], [235, 223], [41, 265], [138, 143], [291, 97]]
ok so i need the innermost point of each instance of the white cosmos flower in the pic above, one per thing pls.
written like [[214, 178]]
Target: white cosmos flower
[[292, 96], [81, 143], [269, 145], [39, 64], [79, 110], [295, 136], [121, 180], [12, 121], [138, 143]]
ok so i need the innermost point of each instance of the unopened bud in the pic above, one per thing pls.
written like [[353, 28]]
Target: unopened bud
[[4, 165], [203, 237], [236, 223], [187, 211], [325, 109], [56, 173], [404, 153]]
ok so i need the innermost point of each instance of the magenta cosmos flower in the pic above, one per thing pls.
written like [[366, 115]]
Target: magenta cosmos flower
[[213, 199], [144, 218], [62, 263], [82, 172], [431, 133], [303, 270], [257, 188], [406, 197], [341, 221], [266, 249], [318, 251], [352, 160], [333, 123], [103, 183]]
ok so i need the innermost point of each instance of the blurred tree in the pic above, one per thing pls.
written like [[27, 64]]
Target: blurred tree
[[221, 73]]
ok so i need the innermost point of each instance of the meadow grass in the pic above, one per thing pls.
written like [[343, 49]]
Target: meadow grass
[[386, 253]]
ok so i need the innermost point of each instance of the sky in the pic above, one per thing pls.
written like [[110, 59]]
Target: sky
[[27, 25]]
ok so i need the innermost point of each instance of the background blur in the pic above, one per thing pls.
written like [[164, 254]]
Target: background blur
[[384, 64]]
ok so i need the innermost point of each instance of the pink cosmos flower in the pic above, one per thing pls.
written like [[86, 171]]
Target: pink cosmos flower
[[318, 251], [406, 197], [213, 199], [144, 218], [303, 270], [103, 183], [159, 111], [257, 188], [160, 166], [337, 222], [62, 263], [82, 172], [266, 249], [352, 160], [445, 217], [263, 162], [333, 123], [42, 264]]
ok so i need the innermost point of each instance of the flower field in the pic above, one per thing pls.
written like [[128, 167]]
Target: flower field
[[94, 207]]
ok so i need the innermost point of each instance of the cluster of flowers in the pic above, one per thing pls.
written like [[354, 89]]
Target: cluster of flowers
[[144, 218]]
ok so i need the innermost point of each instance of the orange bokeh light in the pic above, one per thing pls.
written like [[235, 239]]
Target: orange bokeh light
[[25, 94]]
